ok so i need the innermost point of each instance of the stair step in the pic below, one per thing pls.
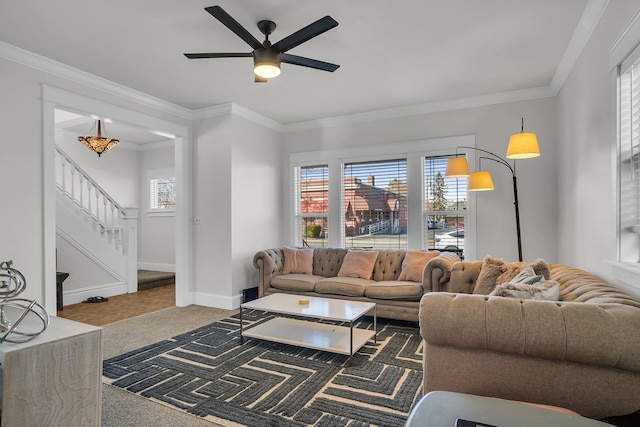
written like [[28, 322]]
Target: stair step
[[152, 279]]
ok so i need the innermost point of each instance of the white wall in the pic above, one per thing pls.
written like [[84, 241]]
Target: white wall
[[156, 234], [256, 199], [236, 205], [492, 125], [586, 140], [83, 271]]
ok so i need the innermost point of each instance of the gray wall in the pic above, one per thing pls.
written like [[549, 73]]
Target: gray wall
[[587, 149], [156, 234], [492, 125]]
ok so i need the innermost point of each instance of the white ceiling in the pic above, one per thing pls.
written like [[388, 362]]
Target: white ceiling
[[392, 54]]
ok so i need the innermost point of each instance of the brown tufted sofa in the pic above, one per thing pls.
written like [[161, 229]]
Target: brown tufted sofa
[[581, 353], [394, 299]]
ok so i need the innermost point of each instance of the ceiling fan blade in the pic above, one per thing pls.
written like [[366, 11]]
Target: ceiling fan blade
[[226, 19], [308, 62], [259, 79], [218, 55], [306, 33]]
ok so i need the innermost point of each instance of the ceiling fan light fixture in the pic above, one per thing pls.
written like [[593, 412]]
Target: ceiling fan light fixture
[[266, 63]]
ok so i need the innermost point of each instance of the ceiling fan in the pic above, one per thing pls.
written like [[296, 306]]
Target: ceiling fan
[[266, 56]]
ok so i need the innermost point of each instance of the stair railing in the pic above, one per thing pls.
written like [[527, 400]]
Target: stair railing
[[99, 207]]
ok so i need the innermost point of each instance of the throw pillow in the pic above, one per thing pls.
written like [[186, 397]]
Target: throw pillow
[[548, 290], [297, 261], [527, 277], [358, 264], [413, 264], [495, 272]]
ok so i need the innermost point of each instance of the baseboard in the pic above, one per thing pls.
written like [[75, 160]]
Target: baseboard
[[217, 301], [75, 296], [156, 266]]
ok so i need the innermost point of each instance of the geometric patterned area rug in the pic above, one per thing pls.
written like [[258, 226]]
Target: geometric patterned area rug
[[208, 373]]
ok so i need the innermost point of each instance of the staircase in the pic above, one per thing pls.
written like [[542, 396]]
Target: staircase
[[89, 219]]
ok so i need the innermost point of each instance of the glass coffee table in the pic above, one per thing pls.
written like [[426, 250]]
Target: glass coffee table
[[304, 333]]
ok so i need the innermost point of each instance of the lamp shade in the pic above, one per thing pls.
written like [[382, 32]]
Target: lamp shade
[[480, 181], [523, 145], [457, 167], [266, 63]]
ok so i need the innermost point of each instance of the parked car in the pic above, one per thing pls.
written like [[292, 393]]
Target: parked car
[[435, 224], [453, 239]]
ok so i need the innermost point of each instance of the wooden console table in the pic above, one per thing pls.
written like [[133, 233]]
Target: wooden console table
[[54, 379]]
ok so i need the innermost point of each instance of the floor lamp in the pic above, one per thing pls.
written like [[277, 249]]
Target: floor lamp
[[523, 145]]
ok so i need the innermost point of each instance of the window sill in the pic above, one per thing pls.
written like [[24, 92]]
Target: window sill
[[167, 212], [628, 274]]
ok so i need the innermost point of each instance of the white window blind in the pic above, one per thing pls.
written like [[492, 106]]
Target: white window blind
[[162, 192], [629, 167], [375, 204], [445, 207], [312, 205]]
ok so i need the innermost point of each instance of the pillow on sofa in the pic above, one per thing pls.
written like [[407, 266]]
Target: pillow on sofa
[[413, 265], [358, 264], [527, 277], [495, 272], [548, 290], [297, 261]]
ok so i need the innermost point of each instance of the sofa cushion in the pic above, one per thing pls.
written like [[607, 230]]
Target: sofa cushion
[[496, 272], [358, 264], [548, 290], [348, 286], [413, 264], [297, 260], [395, 290], [295, 282]]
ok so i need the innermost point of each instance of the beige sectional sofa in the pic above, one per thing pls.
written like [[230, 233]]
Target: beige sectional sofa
[[394, 299], [581, 352]]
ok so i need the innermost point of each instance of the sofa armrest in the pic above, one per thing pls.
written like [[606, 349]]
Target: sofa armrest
[[606, 335], [269, 263], [437, 272]]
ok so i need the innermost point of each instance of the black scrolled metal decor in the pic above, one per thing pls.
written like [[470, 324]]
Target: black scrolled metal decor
[[12, 284]]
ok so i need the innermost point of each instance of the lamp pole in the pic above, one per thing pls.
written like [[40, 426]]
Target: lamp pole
[[502, 161]]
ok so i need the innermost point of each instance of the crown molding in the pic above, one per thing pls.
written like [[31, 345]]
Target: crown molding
[[49, 66], [587, 24], [232, 108], [589, 20], [431, 107]]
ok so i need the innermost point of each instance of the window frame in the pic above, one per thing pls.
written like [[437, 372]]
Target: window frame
[[414, 152], [625, 50], [154, 174]]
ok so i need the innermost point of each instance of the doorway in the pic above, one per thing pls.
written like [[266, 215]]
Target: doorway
[[57, 98]]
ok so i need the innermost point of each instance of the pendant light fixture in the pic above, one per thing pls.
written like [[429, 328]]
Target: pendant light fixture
[[98, 143]]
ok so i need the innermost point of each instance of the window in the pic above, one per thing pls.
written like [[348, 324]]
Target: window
[[629, 166], [312, 205], [162, 192], [445, 206], [395, 196], [624, 61], [375, 204]]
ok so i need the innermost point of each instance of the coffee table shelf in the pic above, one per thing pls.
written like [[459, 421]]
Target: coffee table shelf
[[312, 334], [319, 336]]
